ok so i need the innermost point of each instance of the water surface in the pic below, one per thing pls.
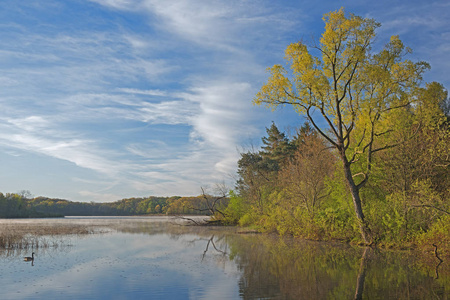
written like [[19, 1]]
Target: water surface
[[152, 258]]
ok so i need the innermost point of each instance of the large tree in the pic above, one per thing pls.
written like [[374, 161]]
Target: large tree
[[346, 90]]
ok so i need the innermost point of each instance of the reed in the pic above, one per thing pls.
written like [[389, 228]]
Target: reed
[[33, 236]]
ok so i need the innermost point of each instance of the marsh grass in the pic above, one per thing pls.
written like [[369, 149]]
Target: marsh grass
[[39, 235]]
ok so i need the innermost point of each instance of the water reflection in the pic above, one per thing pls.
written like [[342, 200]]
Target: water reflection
[[211, 242], [365, 259], [142, 258], [303, 270]]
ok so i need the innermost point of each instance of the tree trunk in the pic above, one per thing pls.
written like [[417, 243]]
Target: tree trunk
[[354, 191]]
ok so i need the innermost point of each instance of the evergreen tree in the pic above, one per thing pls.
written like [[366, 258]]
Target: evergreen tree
[[277, 149]]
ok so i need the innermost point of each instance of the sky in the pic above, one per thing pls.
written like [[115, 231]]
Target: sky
[[102, 100]]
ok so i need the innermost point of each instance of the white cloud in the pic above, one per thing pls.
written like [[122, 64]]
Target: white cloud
[[137, 43], [31, 123], [144, 92], [160, 150], [223, 115], [43, 135], [204, 22], [119, 4], [76, 151], [223, 25], [169, 112]]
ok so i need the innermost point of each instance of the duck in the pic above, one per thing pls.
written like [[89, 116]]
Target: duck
[[28, 258]]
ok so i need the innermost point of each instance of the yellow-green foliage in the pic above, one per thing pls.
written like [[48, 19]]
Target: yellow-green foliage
[[236, 208], [438, 234]]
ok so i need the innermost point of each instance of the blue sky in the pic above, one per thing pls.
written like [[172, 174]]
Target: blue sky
[[107, 99]]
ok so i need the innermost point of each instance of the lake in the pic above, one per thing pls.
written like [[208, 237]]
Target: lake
[[161, 258]]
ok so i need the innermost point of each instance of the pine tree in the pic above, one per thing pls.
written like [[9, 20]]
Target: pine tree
[[277, 149]]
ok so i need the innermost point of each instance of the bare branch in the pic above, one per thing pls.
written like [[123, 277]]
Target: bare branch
[[320, 130], [188, 219], [432, 206]]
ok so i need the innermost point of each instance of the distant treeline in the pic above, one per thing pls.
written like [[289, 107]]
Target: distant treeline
[[19, 206]]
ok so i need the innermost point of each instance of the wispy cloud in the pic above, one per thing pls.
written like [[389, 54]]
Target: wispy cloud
[[222, 116], [204, 22], [144, 92], [132, 5], [77, 151]]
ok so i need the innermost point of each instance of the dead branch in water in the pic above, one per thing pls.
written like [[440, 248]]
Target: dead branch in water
[[193, 222], [211, 204]]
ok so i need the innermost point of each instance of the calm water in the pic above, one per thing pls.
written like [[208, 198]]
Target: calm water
[[151, 258]]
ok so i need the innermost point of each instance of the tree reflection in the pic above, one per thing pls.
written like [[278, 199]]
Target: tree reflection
[[362, 273], [278, 268], [211, 242]]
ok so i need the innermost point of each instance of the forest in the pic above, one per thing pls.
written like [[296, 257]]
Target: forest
[[371, 162], [17, 205]]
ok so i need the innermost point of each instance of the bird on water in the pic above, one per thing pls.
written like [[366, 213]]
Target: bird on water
[[28, 258]]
